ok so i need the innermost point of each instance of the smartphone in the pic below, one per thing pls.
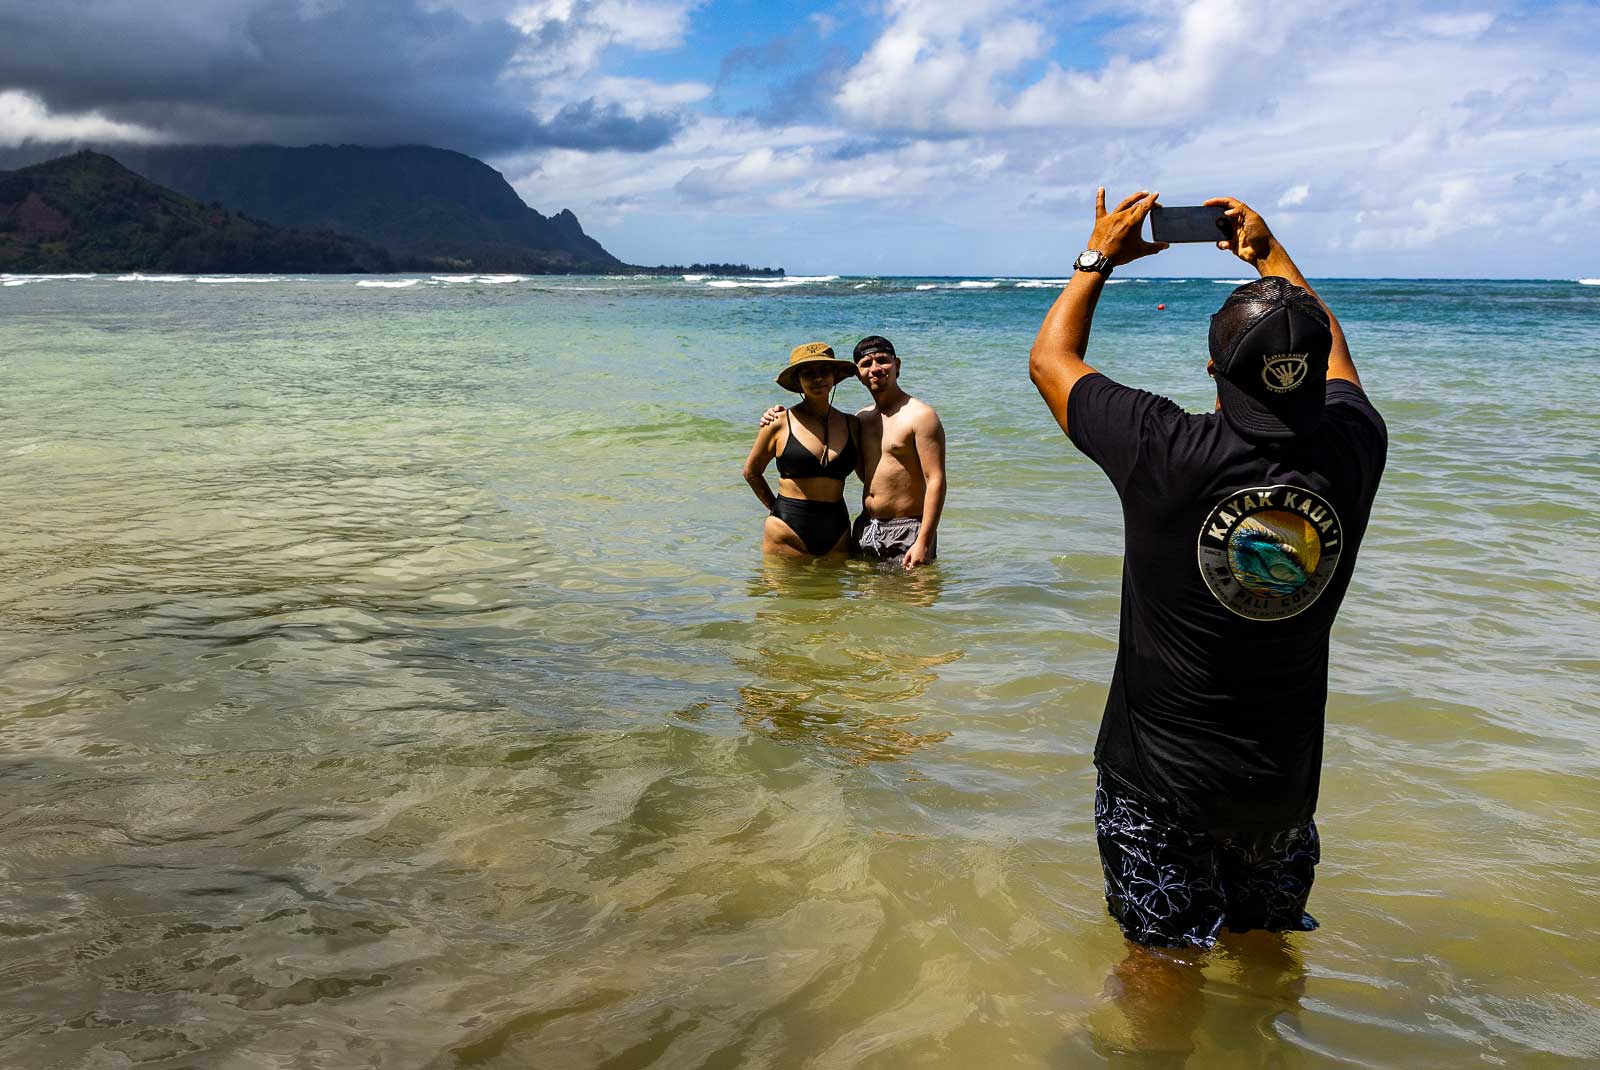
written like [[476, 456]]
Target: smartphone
[[1199, 223]]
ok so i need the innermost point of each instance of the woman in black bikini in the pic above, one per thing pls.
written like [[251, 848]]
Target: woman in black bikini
[[815, 446]]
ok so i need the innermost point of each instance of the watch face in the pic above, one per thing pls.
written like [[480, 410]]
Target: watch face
[[1091, 259]]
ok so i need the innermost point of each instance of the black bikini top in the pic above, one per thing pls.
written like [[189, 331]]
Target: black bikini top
[[797, 462]]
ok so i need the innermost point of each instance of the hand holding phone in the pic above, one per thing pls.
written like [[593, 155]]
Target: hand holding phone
[[1247, 235], [1118, 234], [1199, 223]]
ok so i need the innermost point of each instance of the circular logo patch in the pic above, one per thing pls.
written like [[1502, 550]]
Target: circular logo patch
[[1267, 553]]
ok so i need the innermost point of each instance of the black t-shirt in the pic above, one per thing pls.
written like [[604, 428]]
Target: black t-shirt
[[1237, 554]]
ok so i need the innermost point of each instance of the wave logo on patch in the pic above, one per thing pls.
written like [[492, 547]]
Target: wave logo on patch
[[1268, 553], [1282, 372]]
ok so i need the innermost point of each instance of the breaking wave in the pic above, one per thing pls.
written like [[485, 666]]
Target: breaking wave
[[770, 284], [8, 279], [484, 280]]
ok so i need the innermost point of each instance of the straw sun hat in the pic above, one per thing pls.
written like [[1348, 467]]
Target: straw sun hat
[[810, 355]]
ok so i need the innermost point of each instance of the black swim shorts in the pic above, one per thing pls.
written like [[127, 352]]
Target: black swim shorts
[[1171, 886]]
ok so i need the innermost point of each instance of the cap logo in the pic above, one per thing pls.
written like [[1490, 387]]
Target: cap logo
[[1285, 371]]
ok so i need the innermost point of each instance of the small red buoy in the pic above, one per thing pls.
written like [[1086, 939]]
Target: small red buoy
[[1161, 308]]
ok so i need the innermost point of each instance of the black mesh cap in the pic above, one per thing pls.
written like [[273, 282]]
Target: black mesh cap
[[1270, 343], [872, 343]]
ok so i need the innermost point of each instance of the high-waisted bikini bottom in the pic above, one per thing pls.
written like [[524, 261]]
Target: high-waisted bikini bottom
[[819, 524]]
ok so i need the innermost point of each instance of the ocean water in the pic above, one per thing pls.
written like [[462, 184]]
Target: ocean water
[[391, 678]]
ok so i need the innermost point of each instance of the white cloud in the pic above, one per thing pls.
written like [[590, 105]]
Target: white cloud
[[712, 146], [1466, 24], [24, 118], [641, 94], [570, 45], [936, 65], [1184, 79], [762, 169], [948, 67], [1455, 205], [567, 38], [1430, 129]]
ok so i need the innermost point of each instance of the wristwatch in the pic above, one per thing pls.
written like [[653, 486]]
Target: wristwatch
[[1093, 260]]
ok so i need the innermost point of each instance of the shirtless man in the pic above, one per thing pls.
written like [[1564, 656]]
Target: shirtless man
[[902, 463]]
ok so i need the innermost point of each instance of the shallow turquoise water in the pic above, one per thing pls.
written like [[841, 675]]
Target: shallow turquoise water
[[391, 678]]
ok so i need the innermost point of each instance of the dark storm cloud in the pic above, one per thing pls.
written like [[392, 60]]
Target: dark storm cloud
[[297, 71], [589, 125]]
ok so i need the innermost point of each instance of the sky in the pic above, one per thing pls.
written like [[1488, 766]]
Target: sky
[[909, 137]]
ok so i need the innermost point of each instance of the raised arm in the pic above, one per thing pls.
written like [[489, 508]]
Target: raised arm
[[755, 465], [1056, 361], [1254, 243]]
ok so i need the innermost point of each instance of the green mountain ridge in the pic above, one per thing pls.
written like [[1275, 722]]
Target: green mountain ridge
[[87, 212], [422, 204], [421, 208]]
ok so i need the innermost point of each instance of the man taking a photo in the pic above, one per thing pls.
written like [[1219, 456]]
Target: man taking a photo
[[1241, 528]]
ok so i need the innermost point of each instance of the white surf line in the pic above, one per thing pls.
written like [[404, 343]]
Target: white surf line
[[965, 284], [770, 284]]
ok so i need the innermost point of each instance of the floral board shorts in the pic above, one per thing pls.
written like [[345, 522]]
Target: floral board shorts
[[1171, 886]]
